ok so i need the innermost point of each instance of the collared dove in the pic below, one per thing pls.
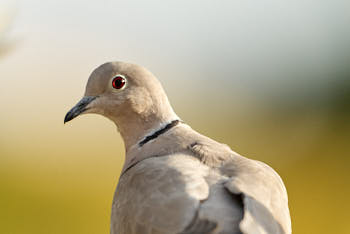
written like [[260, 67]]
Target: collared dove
[[174, 179]]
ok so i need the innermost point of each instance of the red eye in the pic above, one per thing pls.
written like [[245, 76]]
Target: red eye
[[118, 82]]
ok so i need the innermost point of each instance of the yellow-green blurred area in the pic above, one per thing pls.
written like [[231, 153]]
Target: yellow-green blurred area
[[269, 78]]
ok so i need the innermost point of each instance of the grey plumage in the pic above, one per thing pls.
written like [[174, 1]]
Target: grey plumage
[[180, 181]]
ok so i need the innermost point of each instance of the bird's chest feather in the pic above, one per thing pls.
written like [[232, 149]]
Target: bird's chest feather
[[160, 192]]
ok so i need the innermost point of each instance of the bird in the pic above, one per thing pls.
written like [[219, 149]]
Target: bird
[[174, 179]]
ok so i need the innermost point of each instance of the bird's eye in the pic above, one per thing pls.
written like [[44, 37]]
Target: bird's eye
[[118, 82]]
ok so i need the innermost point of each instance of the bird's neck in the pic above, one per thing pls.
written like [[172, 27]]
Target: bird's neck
[[134, 129]]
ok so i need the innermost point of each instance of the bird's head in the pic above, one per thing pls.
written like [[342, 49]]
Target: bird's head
[[127, 94]]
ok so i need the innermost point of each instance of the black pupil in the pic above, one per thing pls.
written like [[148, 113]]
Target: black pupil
[[118, 82]]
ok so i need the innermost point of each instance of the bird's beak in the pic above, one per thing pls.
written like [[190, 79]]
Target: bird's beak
[[79, 108]]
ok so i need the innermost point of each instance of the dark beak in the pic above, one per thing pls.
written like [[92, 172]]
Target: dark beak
[[79, 108]]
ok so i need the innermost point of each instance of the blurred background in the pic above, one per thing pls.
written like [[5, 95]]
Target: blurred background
[[269, 78]]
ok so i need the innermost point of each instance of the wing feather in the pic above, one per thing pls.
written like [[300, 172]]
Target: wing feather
[[262, 190], [264, 196]]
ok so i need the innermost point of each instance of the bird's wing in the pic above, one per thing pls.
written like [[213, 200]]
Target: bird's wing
[[262, 190], [160, 195], [264, 196]]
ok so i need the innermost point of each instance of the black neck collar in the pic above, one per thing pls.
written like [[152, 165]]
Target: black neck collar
[[159, 132]]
